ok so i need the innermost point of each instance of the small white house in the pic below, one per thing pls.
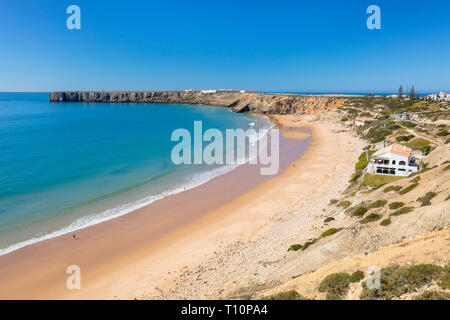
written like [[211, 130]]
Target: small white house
[[395, 160]]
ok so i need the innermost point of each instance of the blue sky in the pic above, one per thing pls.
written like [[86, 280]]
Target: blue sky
[[297, 46]]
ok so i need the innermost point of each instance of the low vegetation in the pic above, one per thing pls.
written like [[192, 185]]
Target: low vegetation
[[336, 285], [328, 219], [396, 281], [392, 188], [378, 204], [403, 210], [345, 204], [418, 143], [370, 218], [377, 180], [426, 199], [416, 179], [295, 247], [408, 124], [396, 205], [404, 138], [329, 232], [288, 295], [433, 295], [356, 276], [359, 211], [309, 243], [408, 188], [385, 222], [362, 160]]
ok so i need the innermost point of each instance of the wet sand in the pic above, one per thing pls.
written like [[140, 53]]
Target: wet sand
[[126, 256]]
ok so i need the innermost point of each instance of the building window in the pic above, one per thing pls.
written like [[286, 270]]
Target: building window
[[402, 163], [393, 161]]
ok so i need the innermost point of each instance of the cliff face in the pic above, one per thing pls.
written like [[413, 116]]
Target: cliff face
[[285, 104], [239, 102]]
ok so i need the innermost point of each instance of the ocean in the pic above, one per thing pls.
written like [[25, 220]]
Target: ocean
[[65, 166]]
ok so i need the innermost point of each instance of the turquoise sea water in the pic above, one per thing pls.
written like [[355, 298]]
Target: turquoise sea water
[[64, 166]]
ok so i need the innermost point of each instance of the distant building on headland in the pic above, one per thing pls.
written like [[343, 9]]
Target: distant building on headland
[[227, 90], [363, 121], [395, 160]]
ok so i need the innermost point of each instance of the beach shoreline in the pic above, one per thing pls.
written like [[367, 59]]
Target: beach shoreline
[[143, 253]]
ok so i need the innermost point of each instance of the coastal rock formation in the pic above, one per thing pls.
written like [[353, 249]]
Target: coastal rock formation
[[285, 104], [266, 103]]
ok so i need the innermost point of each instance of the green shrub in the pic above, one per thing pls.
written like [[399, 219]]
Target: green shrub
[[426, 150], [385, 222], [333, 201], [356, 176], [392, 188], [426, 199], [416, 179], [446, 168], [329, 219], [408, 188], [408, 124], [370, 218], [345, 204], [448, 198], [442, 133], [356, 276], [295, 247], [377, 134], [422, 274], [309, 243], [396, 205], [336, 285], [288, 295], [359, 211], [362, 160], [447, 141], [378, 204], [329, 232], [402, 138], [403, 210]]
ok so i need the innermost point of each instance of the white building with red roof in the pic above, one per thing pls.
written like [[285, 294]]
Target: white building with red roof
[[395, 160]]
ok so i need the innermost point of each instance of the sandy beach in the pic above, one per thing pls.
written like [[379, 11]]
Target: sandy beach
[[156, 251]]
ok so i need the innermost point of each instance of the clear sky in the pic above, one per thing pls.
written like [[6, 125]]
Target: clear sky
[[297, 46]]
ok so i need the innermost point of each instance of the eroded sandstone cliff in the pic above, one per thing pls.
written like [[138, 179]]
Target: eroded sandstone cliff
[[267, 103]]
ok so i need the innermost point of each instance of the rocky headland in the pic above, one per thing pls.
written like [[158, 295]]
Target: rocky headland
[[265, 103]]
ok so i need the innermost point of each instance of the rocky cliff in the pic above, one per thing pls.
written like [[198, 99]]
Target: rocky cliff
[[239, 102]]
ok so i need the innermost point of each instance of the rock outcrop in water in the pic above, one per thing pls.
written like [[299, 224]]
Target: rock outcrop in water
[[266, 103]]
